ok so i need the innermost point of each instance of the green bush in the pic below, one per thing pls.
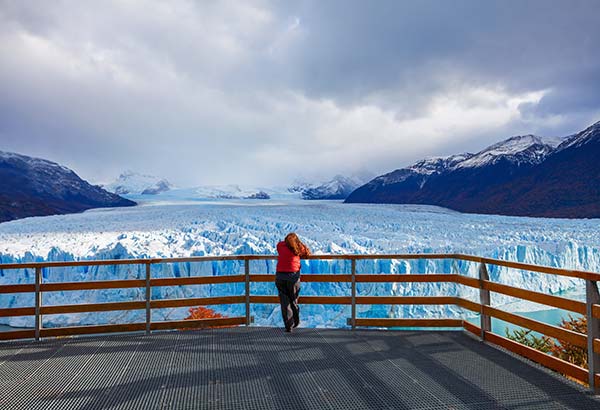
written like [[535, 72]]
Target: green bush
[[563, 350]]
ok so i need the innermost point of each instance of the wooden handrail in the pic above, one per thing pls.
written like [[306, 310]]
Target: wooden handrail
[[410, 322], [570, 336], [458, 256], [481, 283]]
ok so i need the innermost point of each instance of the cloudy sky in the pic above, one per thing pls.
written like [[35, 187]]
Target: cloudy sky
[[259, 92]]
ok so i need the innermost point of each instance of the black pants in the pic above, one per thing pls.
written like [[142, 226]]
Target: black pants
[[288, 286]]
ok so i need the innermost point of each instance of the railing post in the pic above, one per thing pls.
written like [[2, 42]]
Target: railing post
[[484, 300], [148, 299], [353, 319], [38, 302], [247, 274], [592, 297]]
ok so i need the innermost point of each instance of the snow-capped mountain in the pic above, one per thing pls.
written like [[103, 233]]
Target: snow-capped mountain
[[501, 179], [35, 186], [133, 183], [589, 135], [339, 187], [523, 149], [421, 171]]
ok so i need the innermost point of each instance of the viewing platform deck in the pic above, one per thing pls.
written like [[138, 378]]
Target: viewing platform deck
[[265, 368]]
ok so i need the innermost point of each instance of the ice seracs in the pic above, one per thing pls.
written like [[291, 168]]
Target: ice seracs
[[223, 227]]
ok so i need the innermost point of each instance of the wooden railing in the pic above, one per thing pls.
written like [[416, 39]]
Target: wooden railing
[[590, 309]]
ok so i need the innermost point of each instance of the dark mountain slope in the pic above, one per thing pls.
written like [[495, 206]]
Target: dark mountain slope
[[36, 187], [524, 176]]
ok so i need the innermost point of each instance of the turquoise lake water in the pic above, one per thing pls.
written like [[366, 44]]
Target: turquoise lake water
[[550, 316]]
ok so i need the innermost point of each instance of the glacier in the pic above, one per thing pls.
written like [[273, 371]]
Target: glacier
[[173, 228]]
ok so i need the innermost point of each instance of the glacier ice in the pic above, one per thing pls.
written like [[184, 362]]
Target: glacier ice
[[197, 228]]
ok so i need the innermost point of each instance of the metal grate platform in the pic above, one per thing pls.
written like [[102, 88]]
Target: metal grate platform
[[265, 368]]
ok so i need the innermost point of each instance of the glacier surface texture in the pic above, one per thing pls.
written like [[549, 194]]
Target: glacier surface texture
[[198, 228]]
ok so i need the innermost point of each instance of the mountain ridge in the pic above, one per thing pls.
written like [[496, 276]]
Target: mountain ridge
[[134, 183], [38, 187], [521, 176]]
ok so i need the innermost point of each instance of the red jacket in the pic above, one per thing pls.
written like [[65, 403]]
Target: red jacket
[[287, 261]]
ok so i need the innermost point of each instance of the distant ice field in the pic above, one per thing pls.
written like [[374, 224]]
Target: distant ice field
[[219, 227], [173, 228]]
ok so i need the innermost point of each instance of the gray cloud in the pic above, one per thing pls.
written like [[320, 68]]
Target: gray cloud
[[211, 92]]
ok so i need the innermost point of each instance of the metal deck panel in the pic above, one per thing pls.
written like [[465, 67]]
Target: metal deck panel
[[265, 368]]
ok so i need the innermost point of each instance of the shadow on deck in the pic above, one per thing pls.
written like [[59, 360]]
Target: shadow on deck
[[265, 368]]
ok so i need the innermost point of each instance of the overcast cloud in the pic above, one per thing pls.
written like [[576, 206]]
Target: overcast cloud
[[264, 92]]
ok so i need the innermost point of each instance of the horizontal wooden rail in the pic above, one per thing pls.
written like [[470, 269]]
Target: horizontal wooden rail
[[467, 304], [324, 277], [537, 356], [266, 277], [198, 323], [153, 261], [406, 300], [409, 322], [264, 299], [596, 311], [575, 338], [197, 280], [17, 334], [364, 278], [138, 327], [305, 300], [470, 327], [92, 307], [467, 281], [409, 277], [17, 288], [20, 311], [431, 256], [93, 285], [218, 300], [531, 268], [549, 300], [307, 277], [93, 329]]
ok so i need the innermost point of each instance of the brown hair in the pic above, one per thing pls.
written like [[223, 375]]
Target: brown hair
[[296, 246]]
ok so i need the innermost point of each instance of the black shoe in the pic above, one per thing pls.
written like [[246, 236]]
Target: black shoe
[[288, 330], [297, 323]]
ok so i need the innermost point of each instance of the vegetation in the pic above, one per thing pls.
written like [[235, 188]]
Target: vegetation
[[563, 350], [204, 313]]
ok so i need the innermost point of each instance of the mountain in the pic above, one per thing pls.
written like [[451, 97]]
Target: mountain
[[524, 176], [36, 187], [133, 183], [339, 187]]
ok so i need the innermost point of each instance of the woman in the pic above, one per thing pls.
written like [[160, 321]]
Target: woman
[[287, 278]]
